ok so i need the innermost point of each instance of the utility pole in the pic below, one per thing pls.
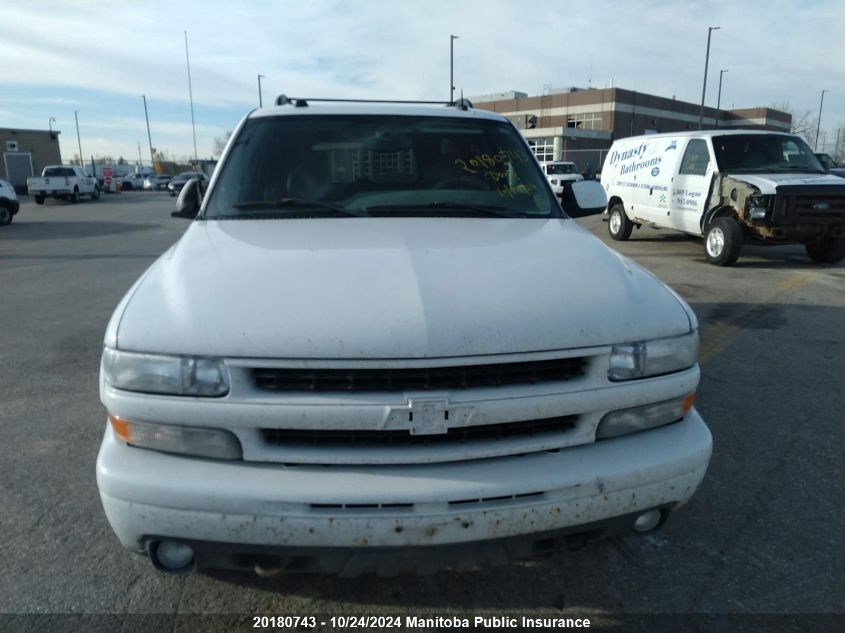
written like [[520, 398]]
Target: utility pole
[[260, 103], [191, 95], [719, 98], [149, 137], [452, 39], [78, 138], [710, 30], [819, 124]]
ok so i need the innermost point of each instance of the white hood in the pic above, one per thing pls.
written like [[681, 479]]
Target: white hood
[[345, 288], [768, 183]]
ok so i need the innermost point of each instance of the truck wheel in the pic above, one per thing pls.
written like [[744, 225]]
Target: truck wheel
[[5, 215], [74, 197], [618, 224], [723, 241], [826, 250], [39, 199], [96, 194]]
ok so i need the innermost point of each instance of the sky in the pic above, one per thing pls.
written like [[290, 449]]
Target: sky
[[97, 59]]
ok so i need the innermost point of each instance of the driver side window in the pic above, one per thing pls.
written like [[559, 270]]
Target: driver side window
[[696, 158]]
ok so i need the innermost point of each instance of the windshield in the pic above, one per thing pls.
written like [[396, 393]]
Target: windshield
[[561, 169], [764, 153], [379, 166]]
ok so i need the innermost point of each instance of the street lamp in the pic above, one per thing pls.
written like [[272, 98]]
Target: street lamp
[[260, 104], [452, 39], [819, 124], [710, 30], [719, 98], [52, 118]]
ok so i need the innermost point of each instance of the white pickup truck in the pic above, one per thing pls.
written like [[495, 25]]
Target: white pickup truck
[[66, 182]]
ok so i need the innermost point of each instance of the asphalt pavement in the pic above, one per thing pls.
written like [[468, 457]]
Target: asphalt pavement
[[763, 535]]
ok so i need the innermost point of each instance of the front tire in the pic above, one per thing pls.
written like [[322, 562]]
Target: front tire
[[618, 224], [826, 250], [723, 241], [5, 215], [39, 199], [95, 195], [74, 197]]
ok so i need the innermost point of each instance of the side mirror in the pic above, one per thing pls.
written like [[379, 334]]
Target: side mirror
[[188, 202], [583, 198]]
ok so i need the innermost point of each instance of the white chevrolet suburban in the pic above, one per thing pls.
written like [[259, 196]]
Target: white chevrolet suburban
[[380, 346], [728, 187]]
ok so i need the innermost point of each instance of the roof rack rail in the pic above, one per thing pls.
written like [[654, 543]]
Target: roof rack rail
[[302, 102]]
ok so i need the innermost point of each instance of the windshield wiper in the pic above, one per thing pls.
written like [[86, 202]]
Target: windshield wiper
[[485, 210], [294, 202]]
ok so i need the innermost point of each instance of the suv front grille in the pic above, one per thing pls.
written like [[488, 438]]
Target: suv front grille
[[318, 438], [418, 379]]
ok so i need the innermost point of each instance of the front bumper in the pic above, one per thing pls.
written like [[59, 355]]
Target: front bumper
[[148, 495]]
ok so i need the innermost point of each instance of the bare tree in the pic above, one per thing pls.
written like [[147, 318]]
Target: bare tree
[[803, 123], [220, 142]]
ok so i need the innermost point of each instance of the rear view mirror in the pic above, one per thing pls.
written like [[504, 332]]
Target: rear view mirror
[[188, 202], [583, 198]]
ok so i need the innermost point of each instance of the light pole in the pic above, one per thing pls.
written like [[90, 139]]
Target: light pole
[[191, 95], [260, 104], [452, 39], [149, 137], [819, 124], [710, 30], [78, 138], [719, 98], [52, 118]]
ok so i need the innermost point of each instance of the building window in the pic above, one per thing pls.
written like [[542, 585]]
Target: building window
[[588, 121], [543, 148]]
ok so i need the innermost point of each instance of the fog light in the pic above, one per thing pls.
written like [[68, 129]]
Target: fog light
[[174, 555], [647, 521]]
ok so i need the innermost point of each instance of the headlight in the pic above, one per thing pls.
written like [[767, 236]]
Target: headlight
[[185, 440], [174, 375], [758, 206], [653, 358], [646, 417]]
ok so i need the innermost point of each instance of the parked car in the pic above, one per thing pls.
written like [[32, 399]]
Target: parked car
[[830, 165], [561, 173], [9, 204], [728, 187], [65, 182], [132, 182], [156, 183], [177, 182], [383, 345]]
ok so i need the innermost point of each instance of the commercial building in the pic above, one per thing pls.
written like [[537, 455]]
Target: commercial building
[[26, 153], [580, 124]]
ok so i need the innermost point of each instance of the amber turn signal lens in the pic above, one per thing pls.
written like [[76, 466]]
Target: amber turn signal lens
[[122, 428], [688, 402]]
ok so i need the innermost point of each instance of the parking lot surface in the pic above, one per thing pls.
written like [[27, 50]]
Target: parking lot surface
[[764, 534]]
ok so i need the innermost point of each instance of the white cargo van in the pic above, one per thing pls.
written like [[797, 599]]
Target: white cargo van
[[729, 187]]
